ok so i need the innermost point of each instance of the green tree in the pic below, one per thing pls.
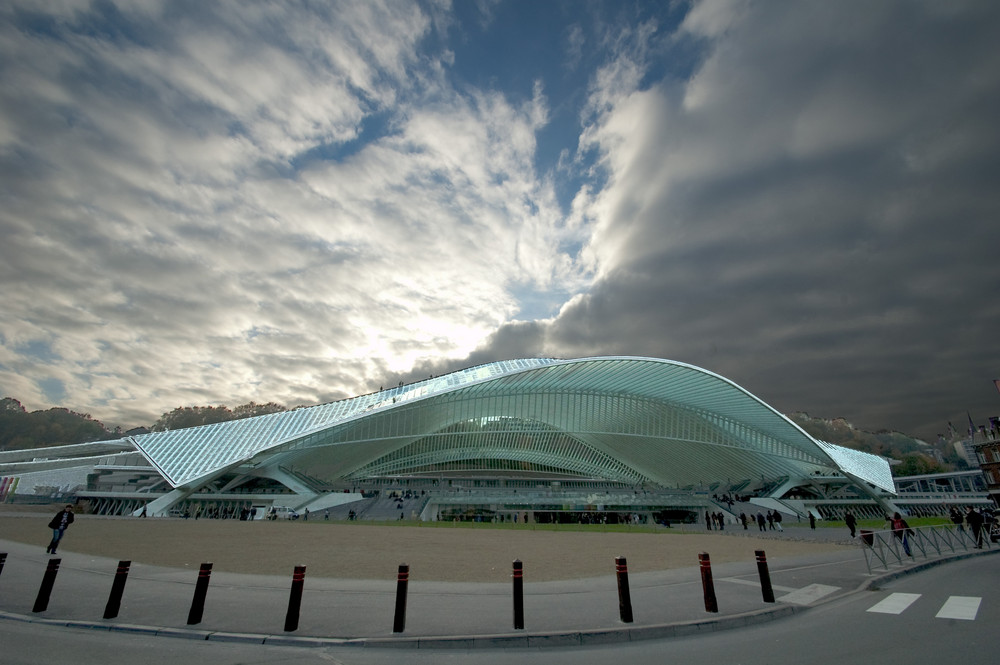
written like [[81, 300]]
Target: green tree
[[251, 409], [21, 430], [917, 464], [192, 416], [11, 404]]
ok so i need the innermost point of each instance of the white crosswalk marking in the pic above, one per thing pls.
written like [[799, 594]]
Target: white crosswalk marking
[[956, 607], [894, 603], [960, 607]]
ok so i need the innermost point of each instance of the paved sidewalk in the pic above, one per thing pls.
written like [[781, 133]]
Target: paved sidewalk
[[252, 608]]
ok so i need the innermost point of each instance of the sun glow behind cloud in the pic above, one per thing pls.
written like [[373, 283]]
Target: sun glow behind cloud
[[200, 239]]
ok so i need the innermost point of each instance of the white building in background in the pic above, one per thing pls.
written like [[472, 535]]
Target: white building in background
[[963, 448]]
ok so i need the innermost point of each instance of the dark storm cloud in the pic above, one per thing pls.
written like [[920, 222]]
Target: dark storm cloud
[[814, 215]]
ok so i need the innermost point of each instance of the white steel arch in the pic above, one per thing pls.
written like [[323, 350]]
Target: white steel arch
[[617, 418]]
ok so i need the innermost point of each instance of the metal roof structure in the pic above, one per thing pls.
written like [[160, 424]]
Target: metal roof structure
[[628, 419]]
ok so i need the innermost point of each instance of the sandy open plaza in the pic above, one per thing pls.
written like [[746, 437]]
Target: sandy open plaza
[[460, 592], [365, 551]]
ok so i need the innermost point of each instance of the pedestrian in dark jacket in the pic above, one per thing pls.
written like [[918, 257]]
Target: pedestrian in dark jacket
[[59, 523], [975, 522], [851, 522]]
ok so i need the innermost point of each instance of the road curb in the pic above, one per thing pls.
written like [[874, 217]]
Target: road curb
[[520, 639], [525, 639]]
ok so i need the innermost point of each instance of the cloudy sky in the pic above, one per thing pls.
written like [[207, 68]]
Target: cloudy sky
[[219, 202]]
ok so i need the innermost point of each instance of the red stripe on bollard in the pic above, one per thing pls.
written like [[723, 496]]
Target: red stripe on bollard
[[399, 617], [117, 589], [45, 590], [518, 594], [624, 597], [295, 598], [711, 604], [200, 592], [765, 577]]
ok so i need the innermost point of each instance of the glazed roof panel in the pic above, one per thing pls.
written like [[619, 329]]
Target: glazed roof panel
[[746, 422]]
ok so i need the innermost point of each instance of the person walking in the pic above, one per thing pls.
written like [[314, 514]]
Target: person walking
[[777, 520], [59, 524], [975, 522], [957, 519], [901, 530], [851, 522]]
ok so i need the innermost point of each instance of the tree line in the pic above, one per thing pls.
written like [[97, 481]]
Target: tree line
[[915, 457], [21, 429]]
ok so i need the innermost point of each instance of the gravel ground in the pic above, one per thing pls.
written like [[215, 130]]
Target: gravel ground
[[365, 551]]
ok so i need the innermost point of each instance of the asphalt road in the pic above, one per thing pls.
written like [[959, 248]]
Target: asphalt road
[[946, 614]]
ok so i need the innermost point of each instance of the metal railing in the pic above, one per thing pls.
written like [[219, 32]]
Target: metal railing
[[883, 549]]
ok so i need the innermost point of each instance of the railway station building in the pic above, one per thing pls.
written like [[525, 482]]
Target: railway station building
[[605, 438]]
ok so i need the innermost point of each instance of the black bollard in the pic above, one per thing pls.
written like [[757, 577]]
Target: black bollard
[[117, 589], [295, 598], [200, 591], [765, 577], [3, 560], [711, 605], [45, 590], [402, 580], [624, 597], [518, 595]]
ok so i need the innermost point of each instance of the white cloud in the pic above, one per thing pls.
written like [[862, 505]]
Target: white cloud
[[188, 240], [711, 18]]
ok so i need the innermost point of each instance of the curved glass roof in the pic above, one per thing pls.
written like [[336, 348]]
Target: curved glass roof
[[621, 418]]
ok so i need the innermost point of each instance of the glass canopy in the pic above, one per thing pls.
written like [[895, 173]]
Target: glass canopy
[[615, 418]]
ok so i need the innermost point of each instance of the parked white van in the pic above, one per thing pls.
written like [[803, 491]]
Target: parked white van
[[282, 513]]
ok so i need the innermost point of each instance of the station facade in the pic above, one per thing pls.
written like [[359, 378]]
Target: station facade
[[543, 439]]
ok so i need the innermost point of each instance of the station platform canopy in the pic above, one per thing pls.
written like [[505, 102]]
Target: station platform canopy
[[616, 418]]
